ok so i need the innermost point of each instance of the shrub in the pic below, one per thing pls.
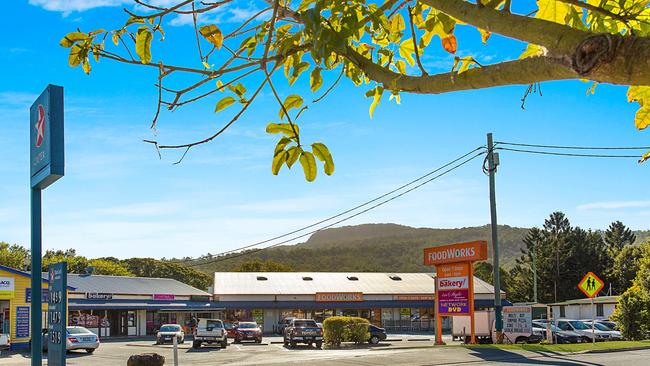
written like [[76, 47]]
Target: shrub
[[633, 313], [339, 329]]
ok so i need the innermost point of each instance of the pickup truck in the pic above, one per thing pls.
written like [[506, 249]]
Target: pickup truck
[[5, 342], [303, 331], [210, 331]]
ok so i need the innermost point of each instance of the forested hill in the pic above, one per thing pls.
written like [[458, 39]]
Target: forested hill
[[378, 247], [375, 247]]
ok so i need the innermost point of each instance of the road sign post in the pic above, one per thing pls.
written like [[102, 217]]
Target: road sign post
[[591, 285], [46, 166]]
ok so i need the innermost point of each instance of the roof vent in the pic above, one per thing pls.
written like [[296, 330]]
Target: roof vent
[[307, 279], [261, 278], [395, 278], [353, 278]]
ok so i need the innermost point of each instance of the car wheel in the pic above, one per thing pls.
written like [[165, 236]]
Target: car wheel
[[259, 340], [521, 340], [237, 340], [319, 345], [224, 343], [293, 344], [196, 344], [90, 350], [374, 340]]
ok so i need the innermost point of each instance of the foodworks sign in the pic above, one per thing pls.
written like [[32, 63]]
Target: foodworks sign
[[339, 296], [461, 252], [6, 288]]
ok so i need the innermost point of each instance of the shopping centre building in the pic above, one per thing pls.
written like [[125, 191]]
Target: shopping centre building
[[110, 306], [396, 301]]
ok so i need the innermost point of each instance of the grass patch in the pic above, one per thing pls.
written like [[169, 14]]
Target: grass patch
[[576, 347]]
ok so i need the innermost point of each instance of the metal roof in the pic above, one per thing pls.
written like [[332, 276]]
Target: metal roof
[[295, 283], [586, 301], [130, 285]]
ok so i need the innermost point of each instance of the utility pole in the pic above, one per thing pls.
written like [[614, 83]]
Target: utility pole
[[493, 162]]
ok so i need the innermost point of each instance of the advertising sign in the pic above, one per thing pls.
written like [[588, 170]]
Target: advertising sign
[[415, 297], [6, 288], [46, 137], [56, 314], [164, 297], [339, 296], [517, 321], [258, 316], [454, 253], [45, 295], [98, 296], [22, 321], [453, 302], [453, 283]]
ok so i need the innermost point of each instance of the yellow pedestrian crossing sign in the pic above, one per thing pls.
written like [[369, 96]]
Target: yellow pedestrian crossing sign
[[591, 285]]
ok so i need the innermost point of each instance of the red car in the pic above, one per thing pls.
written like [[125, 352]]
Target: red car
[[248, 331], [231, 328]]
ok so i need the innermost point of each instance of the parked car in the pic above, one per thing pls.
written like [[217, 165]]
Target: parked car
[[583, 329], [282, 324], [76, 338], [248, 331], [614, 335], [561, 336], [167, 332], [5, 341], [303, 331], [608, 323], [376, 334], [230, 328], [210, 331]]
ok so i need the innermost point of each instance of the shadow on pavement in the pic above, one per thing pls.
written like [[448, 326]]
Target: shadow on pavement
[[505, 356], [205, 349]]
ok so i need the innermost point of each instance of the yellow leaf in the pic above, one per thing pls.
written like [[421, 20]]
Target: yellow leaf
[[308, 165], [397, 23], [71, 38], [406, 50], [323, 154], [212, 34], [376, 94], [206, 65], [278, 160], [645, 157], [533, 50], [316, 79], [484, 35], [641, 95], [143, 45], [552, 10], [642, 118], [224, 103]]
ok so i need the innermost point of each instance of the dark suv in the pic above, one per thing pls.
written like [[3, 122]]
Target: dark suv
[[303, 331]]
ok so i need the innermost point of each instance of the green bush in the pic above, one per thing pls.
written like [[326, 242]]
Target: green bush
[[633, 313], [339, 329]]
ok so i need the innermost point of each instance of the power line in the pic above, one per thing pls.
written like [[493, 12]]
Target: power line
[[574, 147], [219, 259], [344, 212], [568, 154]]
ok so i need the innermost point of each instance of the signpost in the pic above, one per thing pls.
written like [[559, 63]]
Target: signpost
[[46, 167], [57, 314], [591, 285], [454, 285]]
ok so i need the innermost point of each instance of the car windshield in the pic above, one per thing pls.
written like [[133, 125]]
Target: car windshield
[[78, 330], [304, 323], [213, 324], [247, 325], [601, 327], [170, 328], [579, 325]]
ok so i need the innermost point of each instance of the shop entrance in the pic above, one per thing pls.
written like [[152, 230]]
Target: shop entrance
[[122, 323], [5, 321]]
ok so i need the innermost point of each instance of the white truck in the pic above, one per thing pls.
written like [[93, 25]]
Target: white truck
[[517, 326], [5, 341], [210, 331], [483, 324]]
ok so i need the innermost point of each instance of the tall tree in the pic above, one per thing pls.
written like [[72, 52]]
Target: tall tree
[[624, 268], [618, 236], [13, 256], [372, 43]]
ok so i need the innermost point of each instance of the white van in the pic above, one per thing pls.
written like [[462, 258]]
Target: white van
[[210, 331]]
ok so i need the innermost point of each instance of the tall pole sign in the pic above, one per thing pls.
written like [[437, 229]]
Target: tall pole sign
[[591, 285], [57, 314], [46, 167], [454, 285]]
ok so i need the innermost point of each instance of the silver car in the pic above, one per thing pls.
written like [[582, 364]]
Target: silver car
[[167, 333], [77, 338]]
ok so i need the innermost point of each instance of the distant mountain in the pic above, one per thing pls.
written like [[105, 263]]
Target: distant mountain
[[380, 247]]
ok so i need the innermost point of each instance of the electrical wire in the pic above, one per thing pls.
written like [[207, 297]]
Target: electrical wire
[[568, 154], [221, 258], [344, 212], [574, 147]]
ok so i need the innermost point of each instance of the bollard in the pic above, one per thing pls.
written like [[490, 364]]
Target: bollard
[[146, 359]]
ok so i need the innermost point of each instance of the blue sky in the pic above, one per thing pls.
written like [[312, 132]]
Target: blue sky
[[119, 199]]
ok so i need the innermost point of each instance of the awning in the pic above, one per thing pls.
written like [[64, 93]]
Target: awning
[[83, 304]]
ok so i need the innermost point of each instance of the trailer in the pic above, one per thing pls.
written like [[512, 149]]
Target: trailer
[[483, 326]]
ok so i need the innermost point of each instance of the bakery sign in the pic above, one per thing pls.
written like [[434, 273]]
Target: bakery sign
[[98, 296], [339, 296]]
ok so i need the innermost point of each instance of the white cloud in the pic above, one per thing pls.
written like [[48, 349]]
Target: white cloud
[[68, 6], [613, 205]]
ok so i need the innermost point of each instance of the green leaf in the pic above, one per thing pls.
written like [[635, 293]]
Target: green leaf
[[278, 160], [323, 154], [376, 97], [316, 79], [406, 50], [283, 128], [292, 101], [71, 38], [238, 89], [284, 141], [397, 24], [293, 155], [212, 34], [224, 103], [297, 70], [308, 165], [143, 45], [132, 20], [78, 53]]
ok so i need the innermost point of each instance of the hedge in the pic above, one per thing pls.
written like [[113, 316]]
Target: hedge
[[339, 329]]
